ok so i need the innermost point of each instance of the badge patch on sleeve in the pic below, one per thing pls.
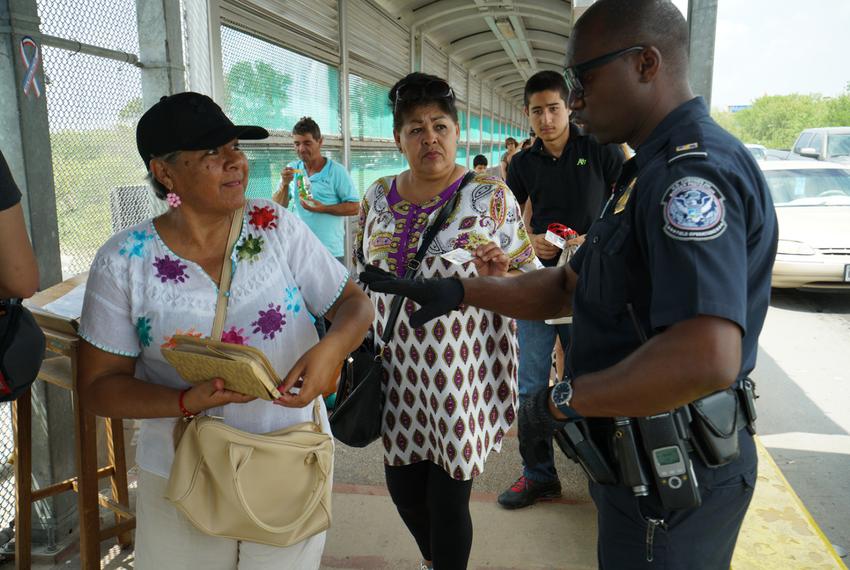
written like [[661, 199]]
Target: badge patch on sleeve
[[693, 210]]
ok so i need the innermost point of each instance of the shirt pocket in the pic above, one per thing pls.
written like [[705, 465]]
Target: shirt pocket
[[603, 275]]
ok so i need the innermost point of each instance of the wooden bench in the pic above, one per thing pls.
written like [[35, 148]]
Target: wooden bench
[[61, 371]]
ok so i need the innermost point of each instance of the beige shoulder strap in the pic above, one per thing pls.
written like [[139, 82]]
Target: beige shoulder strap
[[226, 274]]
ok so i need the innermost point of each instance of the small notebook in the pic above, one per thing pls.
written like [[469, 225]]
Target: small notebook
[[244, 369]]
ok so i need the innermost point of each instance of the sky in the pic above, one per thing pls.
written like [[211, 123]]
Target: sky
[[778, 47]]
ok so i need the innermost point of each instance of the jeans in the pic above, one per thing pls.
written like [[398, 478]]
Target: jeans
[[536, 341]]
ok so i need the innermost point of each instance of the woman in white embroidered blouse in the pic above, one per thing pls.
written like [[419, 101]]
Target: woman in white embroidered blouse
[[160, 278]]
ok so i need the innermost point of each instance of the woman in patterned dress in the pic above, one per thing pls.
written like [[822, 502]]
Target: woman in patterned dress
[[160, 278], [450, 386]]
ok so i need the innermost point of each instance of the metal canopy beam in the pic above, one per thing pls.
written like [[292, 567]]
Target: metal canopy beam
[[452, 10], [485, 70], [526, 65], [507, 83], [497, 72], [540, 39]]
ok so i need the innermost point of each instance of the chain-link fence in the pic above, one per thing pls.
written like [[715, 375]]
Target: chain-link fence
[[93, 104], [7, 471]]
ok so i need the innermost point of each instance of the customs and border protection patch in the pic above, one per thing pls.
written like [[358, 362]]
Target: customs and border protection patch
[[693, 210]]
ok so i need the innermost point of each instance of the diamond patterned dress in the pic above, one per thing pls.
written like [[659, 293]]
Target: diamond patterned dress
[[450, 386]]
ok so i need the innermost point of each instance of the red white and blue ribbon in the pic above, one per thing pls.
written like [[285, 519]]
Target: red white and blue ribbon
[[31, 62]]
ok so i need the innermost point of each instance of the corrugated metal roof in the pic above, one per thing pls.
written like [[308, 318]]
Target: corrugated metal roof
[[501, 42]]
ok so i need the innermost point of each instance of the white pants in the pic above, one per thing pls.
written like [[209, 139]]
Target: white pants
[[165, 539]]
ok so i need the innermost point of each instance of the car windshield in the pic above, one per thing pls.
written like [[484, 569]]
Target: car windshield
[[809, 187], [838, 146], [758, 153]]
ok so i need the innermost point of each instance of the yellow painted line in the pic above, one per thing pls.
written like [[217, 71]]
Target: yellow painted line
[[778, 531]]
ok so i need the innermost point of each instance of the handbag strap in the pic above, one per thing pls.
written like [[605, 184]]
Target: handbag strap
[[414, 264], [226, 274]]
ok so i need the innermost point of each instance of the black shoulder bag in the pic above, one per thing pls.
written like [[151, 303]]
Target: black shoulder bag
[[21, 349], [357, 416]]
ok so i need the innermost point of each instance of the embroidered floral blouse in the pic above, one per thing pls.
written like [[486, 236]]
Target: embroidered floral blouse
[[140, 293]]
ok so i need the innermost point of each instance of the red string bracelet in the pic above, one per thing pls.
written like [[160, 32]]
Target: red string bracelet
[[186, 413]]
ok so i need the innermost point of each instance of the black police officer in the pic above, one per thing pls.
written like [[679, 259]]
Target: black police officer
[[682, 255]]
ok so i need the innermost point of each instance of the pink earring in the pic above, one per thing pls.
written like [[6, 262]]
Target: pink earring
[[173, 200]]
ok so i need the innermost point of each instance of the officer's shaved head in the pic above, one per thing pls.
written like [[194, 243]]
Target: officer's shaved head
[[624, 23]]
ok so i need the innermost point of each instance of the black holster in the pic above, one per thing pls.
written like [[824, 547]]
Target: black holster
[[715, 421], [575, 441]]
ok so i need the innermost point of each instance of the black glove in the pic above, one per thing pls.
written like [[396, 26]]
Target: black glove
[[436, 296], [536, 427]]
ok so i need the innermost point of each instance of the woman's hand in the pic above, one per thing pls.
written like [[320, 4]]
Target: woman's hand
[[543, 248], [211, 394], [317, 369], [491, 261]]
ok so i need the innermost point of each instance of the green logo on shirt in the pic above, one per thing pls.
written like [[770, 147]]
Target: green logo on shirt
[[581, 162]]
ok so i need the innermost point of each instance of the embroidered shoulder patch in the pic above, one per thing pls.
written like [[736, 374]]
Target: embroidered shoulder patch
[[693, 210]]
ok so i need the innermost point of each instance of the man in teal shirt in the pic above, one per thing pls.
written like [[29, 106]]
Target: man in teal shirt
[[333, 192]]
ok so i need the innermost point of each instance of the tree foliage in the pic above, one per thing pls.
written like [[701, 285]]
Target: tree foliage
[[775, 121], [257, 94]]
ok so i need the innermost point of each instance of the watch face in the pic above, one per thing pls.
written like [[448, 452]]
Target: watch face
[[562, 393]]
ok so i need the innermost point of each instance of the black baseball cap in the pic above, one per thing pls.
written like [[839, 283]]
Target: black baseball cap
[[188, 121]]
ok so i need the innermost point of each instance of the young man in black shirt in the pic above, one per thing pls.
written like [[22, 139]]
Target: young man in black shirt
[[18, 269], [567, 177]]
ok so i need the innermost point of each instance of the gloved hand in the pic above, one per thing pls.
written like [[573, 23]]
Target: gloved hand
[[436, 296], [536, 427]]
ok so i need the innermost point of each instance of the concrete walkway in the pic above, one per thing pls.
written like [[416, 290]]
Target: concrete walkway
[[367, 533]]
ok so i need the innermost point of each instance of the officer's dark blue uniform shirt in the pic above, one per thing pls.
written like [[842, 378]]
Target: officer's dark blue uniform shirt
[[690, 230]]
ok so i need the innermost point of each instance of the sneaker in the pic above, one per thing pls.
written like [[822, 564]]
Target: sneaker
[[526, 492], [423, 566]]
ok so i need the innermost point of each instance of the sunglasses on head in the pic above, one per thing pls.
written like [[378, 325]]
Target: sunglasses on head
[[573, 74], [434, 89]]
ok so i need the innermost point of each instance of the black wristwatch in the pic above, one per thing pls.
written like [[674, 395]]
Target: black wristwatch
[[561, 395]]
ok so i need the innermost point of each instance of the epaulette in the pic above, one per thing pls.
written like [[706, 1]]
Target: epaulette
[[686, 142]]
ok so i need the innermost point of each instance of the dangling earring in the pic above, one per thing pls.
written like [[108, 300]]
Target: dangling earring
[[173, 200]]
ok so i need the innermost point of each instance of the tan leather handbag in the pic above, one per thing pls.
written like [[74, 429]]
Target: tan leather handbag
[[272, 488]]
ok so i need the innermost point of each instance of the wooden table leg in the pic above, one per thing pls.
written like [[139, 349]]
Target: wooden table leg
[[86, 428], [117, 458], [22, 427]]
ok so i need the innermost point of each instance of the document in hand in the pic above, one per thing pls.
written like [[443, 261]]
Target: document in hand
[[244, 369]]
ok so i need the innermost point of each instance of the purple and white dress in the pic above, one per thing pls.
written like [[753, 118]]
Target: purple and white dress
[[450, 386]]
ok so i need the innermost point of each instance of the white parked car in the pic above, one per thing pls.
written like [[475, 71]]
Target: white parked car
[[813, 207], [758, 151]]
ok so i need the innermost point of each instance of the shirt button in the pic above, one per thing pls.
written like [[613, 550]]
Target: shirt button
[[596, 239]]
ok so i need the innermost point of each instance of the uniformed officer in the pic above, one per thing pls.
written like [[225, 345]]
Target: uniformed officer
[[682, 255]]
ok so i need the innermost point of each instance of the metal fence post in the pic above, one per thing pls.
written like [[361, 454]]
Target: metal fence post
[[345, 111], [160, 49]]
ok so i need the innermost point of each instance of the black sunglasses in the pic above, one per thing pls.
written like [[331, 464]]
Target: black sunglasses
[[434, 89], [573, 74]]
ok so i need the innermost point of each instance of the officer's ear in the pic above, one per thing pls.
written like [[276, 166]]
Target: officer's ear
[[649, 64]]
